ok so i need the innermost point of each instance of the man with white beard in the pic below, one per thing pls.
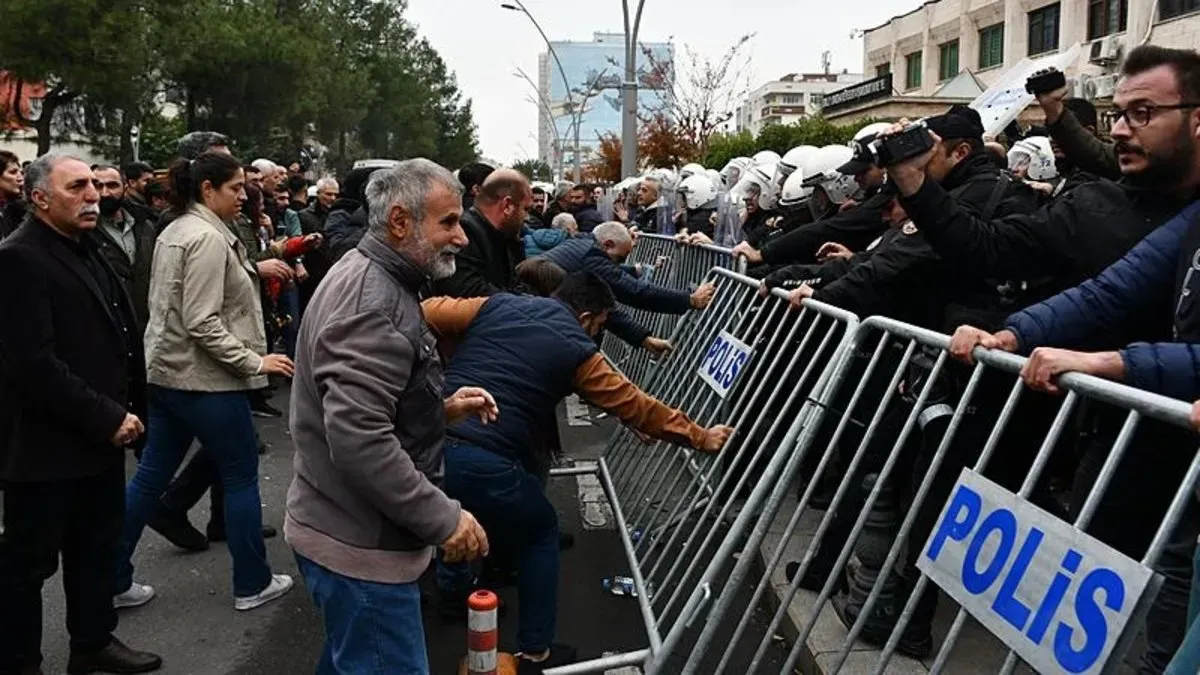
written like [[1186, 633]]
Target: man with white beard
[[368, 420]]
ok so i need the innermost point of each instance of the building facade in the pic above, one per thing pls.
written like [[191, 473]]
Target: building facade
[[924, 57], [593, 70], [789, 99]]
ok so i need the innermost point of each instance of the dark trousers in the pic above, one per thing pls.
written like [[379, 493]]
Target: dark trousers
[[197, 477], [81, 521]]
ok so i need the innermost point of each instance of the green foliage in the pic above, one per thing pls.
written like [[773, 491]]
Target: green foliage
[[779, 137], [278, 76], [534, 169]]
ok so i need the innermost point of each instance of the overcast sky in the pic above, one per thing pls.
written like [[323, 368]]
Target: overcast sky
[[483, 44]]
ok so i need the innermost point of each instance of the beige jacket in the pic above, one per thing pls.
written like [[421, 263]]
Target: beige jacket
[[206, 328]]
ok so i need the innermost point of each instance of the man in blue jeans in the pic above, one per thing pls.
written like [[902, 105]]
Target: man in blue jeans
[[530, 353]]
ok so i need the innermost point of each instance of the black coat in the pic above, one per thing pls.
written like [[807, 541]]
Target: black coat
[[344, 228], [67, 374], [11, 216], [317, 261], [487, 265], [854, 228], [907, 280], [134, 274]]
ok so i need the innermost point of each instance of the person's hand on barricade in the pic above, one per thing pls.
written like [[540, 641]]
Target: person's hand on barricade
[[468, 542], [763, 289], [703, 295], [1047, 364], [129, 431], [715, 438], [831, 249], [468, 401], [277, 364], [698, 239], [797, 297], [751, 254], [967, 338], [657, 346], [682, 237]]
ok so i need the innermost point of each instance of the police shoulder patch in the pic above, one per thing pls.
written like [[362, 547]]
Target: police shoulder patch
[[909, 228]]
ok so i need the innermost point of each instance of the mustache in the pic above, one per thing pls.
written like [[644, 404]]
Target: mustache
[[90, 210], [1125, 147], [449, 250]]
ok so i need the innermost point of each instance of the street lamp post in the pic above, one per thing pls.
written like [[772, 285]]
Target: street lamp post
[[629, 91], [558, 144], [518, 6]]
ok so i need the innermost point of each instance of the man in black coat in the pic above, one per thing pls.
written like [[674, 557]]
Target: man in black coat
[[126, 238], [488, 265], [312, 221], [347, 220], [72, 378]]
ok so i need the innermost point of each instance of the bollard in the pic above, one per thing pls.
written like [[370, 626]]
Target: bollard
[[483, 637]]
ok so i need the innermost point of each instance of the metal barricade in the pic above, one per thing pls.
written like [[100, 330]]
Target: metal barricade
[[672, 264], [748, 361], [901, 460]]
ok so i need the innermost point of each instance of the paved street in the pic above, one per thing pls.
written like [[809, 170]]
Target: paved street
[[192, 623]]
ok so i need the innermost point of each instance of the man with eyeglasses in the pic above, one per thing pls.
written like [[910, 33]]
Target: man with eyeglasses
[[1157, 137]]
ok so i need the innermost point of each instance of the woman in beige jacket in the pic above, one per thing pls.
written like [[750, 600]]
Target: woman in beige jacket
[[205, 347]]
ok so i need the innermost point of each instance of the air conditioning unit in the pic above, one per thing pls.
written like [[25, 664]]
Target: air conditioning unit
[[1100, 87], [1107, 50]]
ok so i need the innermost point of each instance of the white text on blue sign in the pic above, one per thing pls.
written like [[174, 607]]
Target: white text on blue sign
[[726, 358]]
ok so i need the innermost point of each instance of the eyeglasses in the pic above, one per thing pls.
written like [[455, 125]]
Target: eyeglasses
[[1140, 115]]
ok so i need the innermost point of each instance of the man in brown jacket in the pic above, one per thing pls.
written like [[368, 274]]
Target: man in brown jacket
[[368, 419]]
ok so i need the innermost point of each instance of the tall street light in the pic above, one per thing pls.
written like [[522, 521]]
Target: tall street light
[[518, 6], [544, 104], [629, 91]]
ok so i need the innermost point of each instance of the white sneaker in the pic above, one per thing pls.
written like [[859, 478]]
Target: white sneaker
[[280, 584], [136, 596]]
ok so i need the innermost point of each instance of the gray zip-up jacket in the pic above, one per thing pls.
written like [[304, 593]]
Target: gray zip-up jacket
[[368, 422]]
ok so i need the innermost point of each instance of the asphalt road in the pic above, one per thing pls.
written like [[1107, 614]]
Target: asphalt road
[[192, 625]]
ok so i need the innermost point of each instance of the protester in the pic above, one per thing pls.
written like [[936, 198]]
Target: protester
[[559, 203], [648, 194], [347, 219], [71, 392], [487, 264], [540, 199], [563, 227], [138, 177], [12, 201], [312, 221], [126, 239], [530, 353], [368, 422], [157, 195], [472, 177], [205, 349], [583, 207]]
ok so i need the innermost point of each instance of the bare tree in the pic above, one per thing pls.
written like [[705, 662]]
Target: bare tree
[[704, 95]]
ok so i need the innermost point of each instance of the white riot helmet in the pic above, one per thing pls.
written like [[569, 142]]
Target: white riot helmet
[[793, 159], [697, 191], [837, 186], [690, 170], [715, 177], [872, 130], [794, 193], [1034, 157], [734, 169], [759, 180], [766, 157]]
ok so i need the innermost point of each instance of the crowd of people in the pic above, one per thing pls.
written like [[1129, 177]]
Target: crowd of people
[[427, 324]]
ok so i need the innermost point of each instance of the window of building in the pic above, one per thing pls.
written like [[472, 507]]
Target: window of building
[[1169, 9], [1106, 17], [947, 60], [793, 99], [816, 99], [912, 71], [1043, 29], [991, 46], [883, 69]]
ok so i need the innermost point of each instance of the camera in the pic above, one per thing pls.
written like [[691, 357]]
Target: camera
[[1045, 81], [912, 142]]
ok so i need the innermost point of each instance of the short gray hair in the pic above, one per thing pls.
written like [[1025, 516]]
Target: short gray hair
[[408, 184], [612, 231], [326, 182], [563, 187], [561, 221], [264, 165], [37, 174]]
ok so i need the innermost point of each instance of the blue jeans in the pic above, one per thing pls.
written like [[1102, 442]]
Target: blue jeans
[[370, 628], [222, 423], [1187, 659], [510, 503]]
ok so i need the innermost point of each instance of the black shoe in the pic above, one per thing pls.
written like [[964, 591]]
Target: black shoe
[[452, 607], [115, 658], [261, 408], [560, 655], [566, 541], [217, 532], [175, 528], [915, 642]]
